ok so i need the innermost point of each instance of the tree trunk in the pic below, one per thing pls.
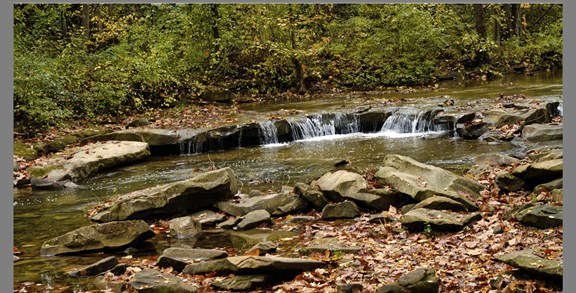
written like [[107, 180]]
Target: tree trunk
[[98, 16], [297, 65], [515, 20], [215, 17], [86, 19], [480, 19]]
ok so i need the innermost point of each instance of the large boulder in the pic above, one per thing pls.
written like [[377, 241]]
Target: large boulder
[[539, 172], [542, 132], [419, 218], [422, 181], [254, 264], [253, 219], [541, 216], [79, 163], [341, 210], [338, 185], [172, 199], [107, 236]]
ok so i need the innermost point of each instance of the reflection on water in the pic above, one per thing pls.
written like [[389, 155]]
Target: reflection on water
[[42, 215]]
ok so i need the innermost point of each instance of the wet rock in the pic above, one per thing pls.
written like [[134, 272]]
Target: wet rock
[[96, 268], [372, 120], [338, 185], [499, 118], [529, 262], [471, 126], [153, 281], [540, 172], [184, 227], [541, 216], [278, 203], [88, 160], [508, 182], [42, 184], [254, 219], [112, 235], [421, 181], [245, 282], [349, 288], [178, 258], [542, 132], [341, 210], [421, 280], [440, 203], [418, 219], [173, 199], [253, 265]]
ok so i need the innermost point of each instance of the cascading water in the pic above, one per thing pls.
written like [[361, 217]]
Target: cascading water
[[268, 133], [323, 125], [412, 122]]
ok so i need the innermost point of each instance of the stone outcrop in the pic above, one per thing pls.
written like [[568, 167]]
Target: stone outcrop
[[107, 236], [173, 199], [80, 163]]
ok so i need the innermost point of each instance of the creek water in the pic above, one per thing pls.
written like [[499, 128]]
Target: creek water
[[42, 215]]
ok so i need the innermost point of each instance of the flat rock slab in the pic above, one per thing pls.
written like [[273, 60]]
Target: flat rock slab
[[245, 282], [541, 216], [253, 219], [112, 235], [418, 219], [89, 159], [154, 137], [542, 132], [155, 281], [178, 258], [272, 203], [172, 199], [208, 218], [253, 265], [96, 268], [527, 261]]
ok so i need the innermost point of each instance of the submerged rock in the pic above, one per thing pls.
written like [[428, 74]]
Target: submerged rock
[[112, 235], [172, 199]]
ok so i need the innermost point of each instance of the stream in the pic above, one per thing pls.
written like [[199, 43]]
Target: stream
[[42, 215]]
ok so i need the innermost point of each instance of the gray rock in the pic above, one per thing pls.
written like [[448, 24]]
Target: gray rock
[[541, 216], [529, 262], [508, 182], [178, 258], [301, 219], [549, 186], [418, 219], [208, 218], [229, 224], [315, 197], [421, 280], [96, 268], [341, 210], [172, 199], [495, 160], [184, 227], [245, 282], [90, 159], [338, 185], [440, 203], [112, 235], [272, 203], [542, 132], [421, 181], [153, 281], [254, 219], [253, 265], [540, 172], [264, 247], [545, 154]]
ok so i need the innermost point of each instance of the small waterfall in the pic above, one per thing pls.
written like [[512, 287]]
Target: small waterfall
[[322, 125], [191, 146], [268, 132], [561, 110], [412, 121]]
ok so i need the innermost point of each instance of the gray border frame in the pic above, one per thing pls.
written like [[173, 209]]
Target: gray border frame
[[6, 139]]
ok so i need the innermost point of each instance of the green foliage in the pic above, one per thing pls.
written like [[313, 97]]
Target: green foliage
[[137, 57]]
